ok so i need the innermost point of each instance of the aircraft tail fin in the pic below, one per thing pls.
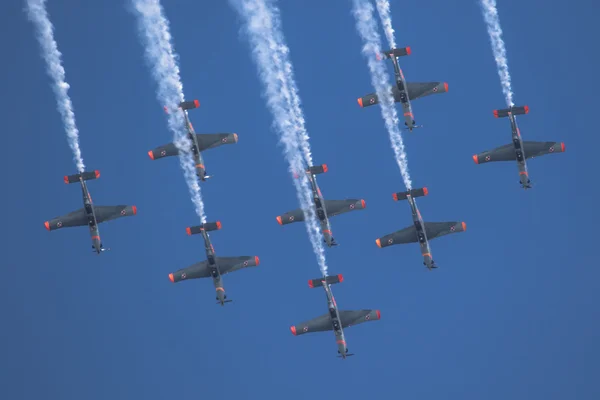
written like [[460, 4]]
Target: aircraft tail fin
[[329, 280], [317, 169], [86, 176], [413, 193], [207, 226], [520, 110], [404, 51]]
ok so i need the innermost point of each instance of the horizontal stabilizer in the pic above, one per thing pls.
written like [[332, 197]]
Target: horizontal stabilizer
[[514, 110], [329, 280], [86, 176], [189, 105], [207, 226], [413, 193], [317, 169], [404, 51]]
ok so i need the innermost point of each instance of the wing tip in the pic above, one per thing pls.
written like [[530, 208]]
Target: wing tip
[[134, 209], [408, 50], [562, 146], [340, 278], [218, 223], [171, 278], [293, 330], [196, 103], [235, 137], [151, 154], [360, 102], [378, 314], [257, 260], [475, 159], [378, 241], [446, 86], [464, 226], [188, 230], [279, 220], [425, 191], [363, 203], [47, 225]]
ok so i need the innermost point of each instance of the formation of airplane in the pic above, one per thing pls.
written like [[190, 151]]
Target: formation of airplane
[[214, 266], [324, 208], [421, 231], [89, 215], [518, 150], [200, 141], [403, 92], [335, 320]]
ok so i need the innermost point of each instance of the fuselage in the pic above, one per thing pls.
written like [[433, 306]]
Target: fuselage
[[519, 152], [421, 234], [336, 322], [196, 154], [321, 211], [91, 218], [214, 268], [409, 119]]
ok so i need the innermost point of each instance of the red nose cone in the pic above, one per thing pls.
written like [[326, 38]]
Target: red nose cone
[[256, 260], [364, 205], [47, 225], [293, 329]]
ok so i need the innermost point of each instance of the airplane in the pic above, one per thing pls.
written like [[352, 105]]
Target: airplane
[[324, 208], [404, 91], [335, 320], [421, 232], [200, 142], [90, 214], [214, 267], [519, 150]]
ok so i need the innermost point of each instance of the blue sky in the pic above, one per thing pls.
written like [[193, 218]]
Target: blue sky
[[510, 312]]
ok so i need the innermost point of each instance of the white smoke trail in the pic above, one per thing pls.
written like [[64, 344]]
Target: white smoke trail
[[36, 10], [490, 14], [383, 8], [154, 32], [263, 26], [367, 28]]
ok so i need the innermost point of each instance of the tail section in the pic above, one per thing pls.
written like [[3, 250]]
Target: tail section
[[186, 105], [317, 169], [513, 110], [329, 280], [404, 51], [86, 176], [413, 193], [207, 226]]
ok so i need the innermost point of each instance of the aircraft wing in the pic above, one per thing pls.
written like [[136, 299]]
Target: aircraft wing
[[536, 149], [319, 324], [75, 218], [437, 229], [502, 153], [337, 207], [168, 150], [211, 140], [108, 213], [349, 318], [232, 264], [421, 89], [404, 236], [290, 217], [198, 270]]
